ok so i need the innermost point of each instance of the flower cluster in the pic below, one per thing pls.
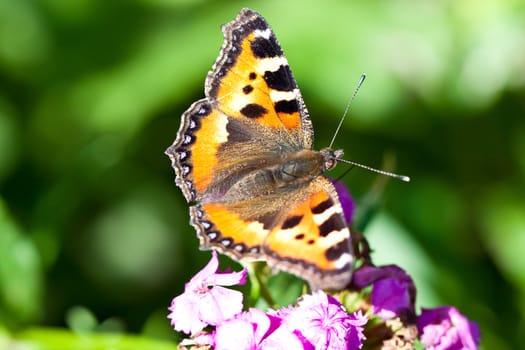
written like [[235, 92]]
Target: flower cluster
[[380, 302], [319, 321], [393, 296]]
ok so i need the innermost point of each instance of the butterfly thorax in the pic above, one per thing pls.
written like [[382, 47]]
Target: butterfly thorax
[[298, 167], [293, 170], [305, 165]]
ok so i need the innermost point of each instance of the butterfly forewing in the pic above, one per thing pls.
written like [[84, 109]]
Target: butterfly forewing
[[251, 79]]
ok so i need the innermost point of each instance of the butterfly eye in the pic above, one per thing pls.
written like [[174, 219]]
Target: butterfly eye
[[330, 163], [330, 157]]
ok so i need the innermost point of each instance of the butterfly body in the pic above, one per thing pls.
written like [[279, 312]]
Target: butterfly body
[[243, 158]]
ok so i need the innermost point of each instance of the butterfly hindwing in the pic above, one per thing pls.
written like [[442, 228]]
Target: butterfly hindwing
[[314, 230], [221, 228]]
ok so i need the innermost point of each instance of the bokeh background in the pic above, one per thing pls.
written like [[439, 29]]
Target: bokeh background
[[94, 234]]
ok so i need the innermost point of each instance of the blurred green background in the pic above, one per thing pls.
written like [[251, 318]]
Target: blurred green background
[[94, 234]]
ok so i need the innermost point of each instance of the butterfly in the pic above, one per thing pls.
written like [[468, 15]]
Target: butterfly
[[243, 159]]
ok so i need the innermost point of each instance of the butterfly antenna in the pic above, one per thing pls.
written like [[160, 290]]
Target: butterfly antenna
[[359, 83], [382, 172]]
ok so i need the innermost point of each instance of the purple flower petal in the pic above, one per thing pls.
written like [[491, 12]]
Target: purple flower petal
[[228, 279], [390, 298], [208, 271], [219, 304], [345, 199], [282, 312], [183, 316], [393, 291], [255, 330], [355, 335], [322, 320], [283, 339], [366, 274], [235, 334], [445, 328]]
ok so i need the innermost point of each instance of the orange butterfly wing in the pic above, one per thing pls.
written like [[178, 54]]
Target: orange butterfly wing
[[229, 158], [312, 240]]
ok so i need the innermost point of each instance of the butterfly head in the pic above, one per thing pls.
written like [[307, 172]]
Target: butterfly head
[[331, 157]]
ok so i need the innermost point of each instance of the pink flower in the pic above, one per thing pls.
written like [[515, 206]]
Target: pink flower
[[204, 302], [322, 320], [444, 328], [254, 330]]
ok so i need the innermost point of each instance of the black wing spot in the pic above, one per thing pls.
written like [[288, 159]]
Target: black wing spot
[[285, 106], [281, 79], [263, 48], [321, 207], [253, 110], [247, 89], [299, 236], [291, 222], [335, 252], [333, 223], [252, 76]]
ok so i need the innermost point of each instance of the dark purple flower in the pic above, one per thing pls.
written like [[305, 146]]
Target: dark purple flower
[[254, 330], [204, 302], [323, 322], [393, 291], [345, 199], [444, 328], [390, 296]]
